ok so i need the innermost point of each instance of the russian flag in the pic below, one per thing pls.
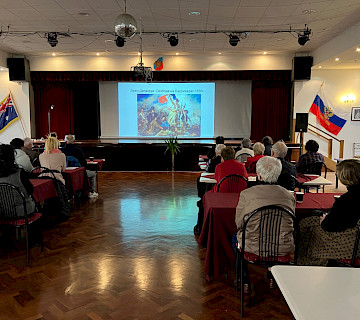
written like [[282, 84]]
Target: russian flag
[[325, 115]]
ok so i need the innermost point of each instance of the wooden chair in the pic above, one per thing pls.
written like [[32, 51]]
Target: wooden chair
[[271, 218], [232, 183], [13, 201]]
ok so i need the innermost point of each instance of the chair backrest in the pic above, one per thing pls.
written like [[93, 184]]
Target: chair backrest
[[252, 167], [232, 183], [269, 223], [38, 171], [243, 157], [356, 248], [11, 199], [315, 168]]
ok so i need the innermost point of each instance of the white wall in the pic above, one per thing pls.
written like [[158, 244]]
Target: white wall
[[336, 83], [171, 63]]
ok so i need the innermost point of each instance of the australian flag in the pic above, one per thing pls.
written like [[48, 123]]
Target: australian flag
[[8, 113]]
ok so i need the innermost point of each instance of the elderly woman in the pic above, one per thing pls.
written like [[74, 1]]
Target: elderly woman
[[259, 149], [52, 159], [266, 193], [245, 151], [333, 237], [213, 162], [12, 174]]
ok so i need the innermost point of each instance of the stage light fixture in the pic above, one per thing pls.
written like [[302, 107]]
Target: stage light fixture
[[119, 41], [304, 36], [233, 40], [173, 40], [52, 39]]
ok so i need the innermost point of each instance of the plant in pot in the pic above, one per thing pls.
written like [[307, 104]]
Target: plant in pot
[[172, 146]]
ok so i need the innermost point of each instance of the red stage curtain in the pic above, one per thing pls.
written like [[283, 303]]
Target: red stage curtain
[[271, 105]]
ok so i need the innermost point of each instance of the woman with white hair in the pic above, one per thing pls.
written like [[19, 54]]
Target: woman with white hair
[[245, 152], [266, 193], [259, 149]]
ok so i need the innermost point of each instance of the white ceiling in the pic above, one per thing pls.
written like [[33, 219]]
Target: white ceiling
[[329, 19]]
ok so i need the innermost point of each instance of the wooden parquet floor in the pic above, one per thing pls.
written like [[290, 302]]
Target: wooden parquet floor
[[130, 254]]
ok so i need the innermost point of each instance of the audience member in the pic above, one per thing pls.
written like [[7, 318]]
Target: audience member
[[12, 174], [218, 140], [71, 149], [268, 143], [258, 154], [229, 165], [310, 157], [28, 149], [287, 178], [213, 162], [245, 151], [21, 158], [333, 238], [52, 159], [266, 193]]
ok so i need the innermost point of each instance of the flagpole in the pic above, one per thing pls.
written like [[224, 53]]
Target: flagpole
[[21, 120]]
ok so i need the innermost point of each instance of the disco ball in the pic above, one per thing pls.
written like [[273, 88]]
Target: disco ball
[[125, 26]]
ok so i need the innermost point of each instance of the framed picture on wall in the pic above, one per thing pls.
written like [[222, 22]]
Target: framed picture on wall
[[355, 114]]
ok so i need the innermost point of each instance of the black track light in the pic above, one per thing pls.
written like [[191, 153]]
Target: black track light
[[119, 41], [233, 40], [173, 41], [304, 36], [52, 39]]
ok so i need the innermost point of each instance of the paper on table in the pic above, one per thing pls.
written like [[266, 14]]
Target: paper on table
[[71, 168]]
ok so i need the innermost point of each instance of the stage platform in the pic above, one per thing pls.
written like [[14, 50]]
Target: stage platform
[[149, 154]]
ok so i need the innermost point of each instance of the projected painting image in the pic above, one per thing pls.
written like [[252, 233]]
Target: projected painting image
[[169, 115]]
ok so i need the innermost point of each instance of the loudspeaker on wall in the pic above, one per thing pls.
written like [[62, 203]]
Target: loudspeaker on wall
[[302, 68], [301, 123], [19, 69]]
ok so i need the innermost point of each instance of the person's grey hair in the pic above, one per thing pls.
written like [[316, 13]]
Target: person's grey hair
[[28, 143], [219, 148], [269, 169], [246, 143], [258, 148], [70, 138], [279, 149]]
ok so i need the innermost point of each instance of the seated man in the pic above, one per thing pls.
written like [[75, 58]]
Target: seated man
[[245, 151], [266, 193], [33, 155], [310, 157], [21, 158], [71, 149], [287, 178]]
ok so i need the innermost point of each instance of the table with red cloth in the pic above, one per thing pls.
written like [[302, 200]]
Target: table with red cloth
[[219, 226], [43, 189], [76, 180], [95, 164]]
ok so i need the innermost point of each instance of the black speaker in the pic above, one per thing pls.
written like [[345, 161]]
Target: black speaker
[[19, 69], [301, 122], [302, 68]]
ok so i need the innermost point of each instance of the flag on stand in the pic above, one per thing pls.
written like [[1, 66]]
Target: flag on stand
[[325, 114], [8, 113], [162, 99], [158, 64]]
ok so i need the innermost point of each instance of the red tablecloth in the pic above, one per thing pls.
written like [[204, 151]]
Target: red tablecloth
[[43, 189], [95, 166], [219, 226], [76, 180]]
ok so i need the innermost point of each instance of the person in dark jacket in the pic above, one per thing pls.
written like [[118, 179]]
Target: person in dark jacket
[[345, 213], [287, 178], [268, 143]]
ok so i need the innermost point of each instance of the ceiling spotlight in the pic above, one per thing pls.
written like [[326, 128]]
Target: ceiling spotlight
[[119, 41], [52, 39], [233, 40], [304, 36], [173, 40]]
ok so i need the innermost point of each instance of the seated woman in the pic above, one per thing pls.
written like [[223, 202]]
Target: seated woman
[[12, 174], [332, 237], [245, 151], [52, 159], [259, 149]]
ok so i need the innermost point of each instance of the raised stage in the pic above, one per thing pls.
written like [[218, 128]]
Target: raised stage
[[148, 154]]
